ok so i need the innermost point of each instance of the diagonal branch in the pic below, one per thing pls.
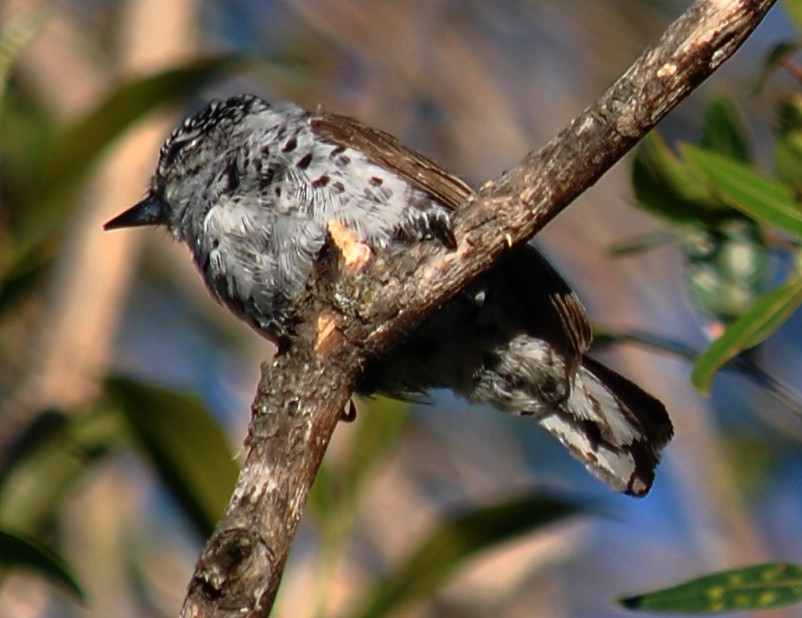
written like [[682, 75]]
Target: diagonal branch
[[303, 391]]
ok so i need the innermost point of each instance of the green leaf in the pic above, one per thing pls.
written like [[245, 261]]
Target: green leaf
[[765, 200], [774, 60], [184, 443], [794, 10], [378, 431], [603, 337], [765, 317], [77, 148], [743, 365], [64, 158], [19, 276], [53, 455], [788, 159], [756, 587], [457, 539], [723, 130], [788, 147], [334, 502], [638, 244], [337, 488], [20, 552], [668, 188], [20, 27]]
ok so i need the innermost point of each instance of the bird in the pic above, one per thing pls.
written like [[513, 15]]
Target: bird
[[251, 186]]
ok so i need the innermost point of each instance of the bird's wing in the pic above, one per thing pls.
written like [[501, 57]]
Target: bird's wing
[[547, 289], [547, 286], [385, 150]]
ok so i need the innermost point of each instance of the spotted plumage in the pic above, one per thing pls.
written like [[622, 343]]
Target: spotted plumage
[[251, 187]]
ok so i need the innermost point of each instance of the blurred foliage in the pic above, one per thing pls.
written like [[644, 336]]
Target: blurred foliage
[[18, 552], [723, 211], [178, 436], [725, 247], [15, 34], [73, 150], [45, 164], [335, 502], [49, 461], [457, 539], [727, 216], [335, 499], [185, 444], [765, 586]]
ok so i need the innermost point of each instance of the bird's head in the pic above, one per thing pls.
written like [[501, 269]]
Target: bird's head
[[197, 164]]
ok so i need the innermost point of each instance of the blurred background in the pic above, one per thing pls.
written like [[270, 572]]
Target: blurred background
[[125, 390]]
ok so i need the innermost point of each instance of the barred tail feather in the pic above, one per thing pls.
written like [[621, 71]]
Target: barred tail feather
[[612, 426]]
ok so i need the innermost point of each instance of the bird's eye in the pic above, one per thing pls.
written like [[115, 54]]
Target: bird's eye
[[174, 148]]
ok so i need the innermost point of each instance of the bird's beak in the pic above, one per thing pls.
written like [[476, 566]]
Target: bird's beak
[[150, 211]]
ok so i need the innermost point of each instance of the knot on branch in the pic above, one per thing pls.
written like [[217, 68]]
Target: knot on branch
[[226, 568]]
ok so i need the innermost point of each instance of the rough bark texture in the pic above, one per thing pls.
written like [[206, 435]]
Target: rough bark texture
[[304, 390]]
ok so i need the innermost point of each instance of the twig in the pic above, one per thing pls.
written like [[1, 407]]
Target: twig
[[303, 391], [743, 364]]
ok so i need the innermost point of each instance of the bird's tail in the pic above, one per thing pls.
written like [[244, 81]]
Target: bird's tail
[[612, 426]]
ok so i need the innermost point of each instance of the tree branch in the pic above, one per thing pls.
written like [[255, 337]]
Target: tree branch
[[304, 391]]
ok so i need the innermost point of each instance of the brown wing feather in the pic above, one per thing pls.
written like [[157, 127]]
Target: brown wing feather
[[566, 303], [385, 150], [554, 312]]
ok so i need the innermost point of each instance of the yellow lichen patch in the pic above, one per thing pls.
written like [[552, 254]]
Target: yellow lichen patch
[[355, 253], [324, 328], [772, 574], [742, 599], [716, 593]]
